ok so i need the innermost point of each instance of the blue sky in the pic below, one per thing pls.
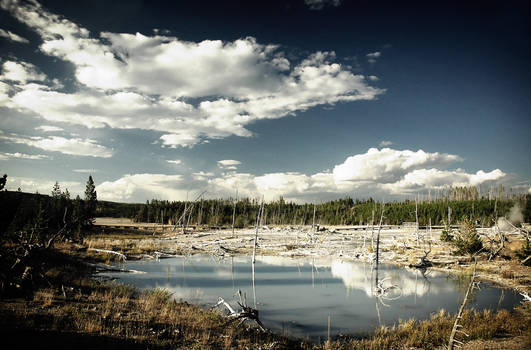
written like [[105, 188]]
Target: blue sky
[[310, 100]]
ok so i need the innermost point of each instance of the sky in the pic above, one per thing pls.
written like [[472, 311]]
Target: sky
[[310, 100]]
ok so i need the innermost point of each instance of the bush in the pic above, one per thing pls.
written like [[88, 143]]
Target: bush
[[446, 235], [524, 252], [466, 239]]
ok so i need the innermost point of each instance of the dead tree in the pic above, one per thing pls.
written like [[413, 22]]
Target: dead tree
[[182, 219], [378, 241], [258, 218], [457, 325], [234, 212], [313, 221]]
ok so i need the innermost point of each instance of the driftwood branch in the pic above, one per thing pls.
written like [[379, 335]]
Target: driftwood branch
[[246, 313]]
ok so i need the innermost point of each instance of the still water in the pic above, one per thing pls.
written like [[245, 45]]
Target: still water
[[295, 296]]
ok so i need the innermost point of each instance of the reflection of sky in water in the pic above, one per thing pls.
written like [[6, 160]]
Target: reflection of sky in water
[[297, 295]]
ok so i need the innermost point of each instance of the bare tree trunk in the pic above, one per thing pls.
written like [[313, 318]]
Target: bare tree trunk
[[234, 213], [378, 240], [460, 313], [372, 227], [258, 218], [313, 221], [417, 219]]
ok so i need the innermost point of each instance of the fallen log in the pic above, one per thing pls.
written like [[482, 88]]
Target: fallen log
[[122, 256]]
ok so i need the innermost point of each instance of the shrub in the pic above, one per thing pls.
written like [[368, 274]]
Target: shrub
[[446, 235], [523, 253], [466, 239]]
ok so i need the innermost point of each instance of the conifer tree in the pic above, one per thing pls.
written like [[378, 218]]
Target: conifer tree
[[91, 201]]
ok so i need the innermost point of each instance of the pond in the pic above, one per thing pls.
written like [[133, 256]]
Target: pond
[[296, 296]]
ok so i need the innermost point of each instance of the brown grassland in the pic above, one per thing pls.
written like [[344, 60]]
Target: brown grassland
[[74, 309]]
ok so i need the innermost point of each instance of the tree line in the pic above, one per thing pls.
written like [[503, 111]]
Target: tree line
[[345, 211], [45, 215]]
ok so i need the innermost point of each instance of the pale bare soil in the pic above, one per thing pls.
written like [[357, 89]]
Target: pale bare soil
[[403, 246]]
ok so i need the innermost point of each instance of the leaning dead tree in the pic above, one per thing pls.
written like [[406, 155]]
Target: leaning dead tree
[[457, 323], [187, 209]]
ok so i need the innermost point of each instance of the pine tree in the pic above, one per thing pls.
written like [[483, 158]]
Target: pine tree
[[91, 201], [56, 191]]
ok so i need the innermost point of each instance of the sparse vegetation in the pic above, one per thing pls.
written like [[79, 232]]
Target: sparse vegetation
[[524, 253]]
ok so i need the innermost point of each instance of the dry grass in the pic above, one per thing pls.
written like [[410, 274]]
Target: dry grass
[[433, 333], [44, 297], [153, 318]]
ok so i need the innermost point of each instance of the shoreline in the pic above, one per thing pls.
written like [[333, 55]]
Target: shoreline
[[90, 309]]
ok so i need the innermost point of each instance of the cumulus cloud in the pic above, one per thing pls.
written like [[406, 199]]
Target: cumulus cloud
[[147, 82], [320, 4], [420, 179], [17, 155], [385, 143], [71, 146], [49, 128], [388, 165], [382, 172], [202, 176], [12, 36], [20, 72], [31, 185], [176, 161], [143, 186]]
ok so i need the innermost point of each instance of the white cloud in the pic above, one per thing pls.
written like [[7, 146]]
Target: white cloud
[[176, 162], [421, 179], [202, 176], [73, 146], [373, 78], [377, 172], [49, 128], [320, 4], [17, 155], [31, 185], [86, 171], [376, 54], [21, 72], [137, 81], [147, 186], [12, 36], [388, 165], [229, 164], [371, 57], [385, 143]]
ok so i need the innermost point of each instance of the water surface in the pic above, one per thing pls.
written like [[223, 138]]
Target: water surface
[[296, 296]]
